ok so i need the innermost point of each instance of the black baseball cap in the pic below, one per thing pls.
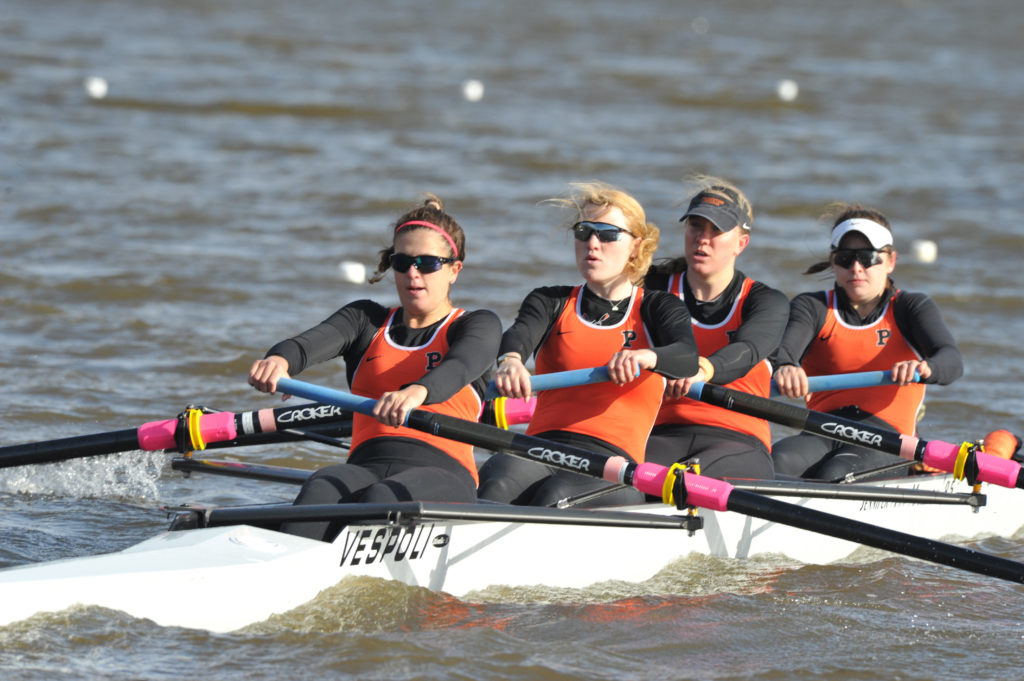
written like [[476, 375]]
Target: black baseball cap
[[721, 206]]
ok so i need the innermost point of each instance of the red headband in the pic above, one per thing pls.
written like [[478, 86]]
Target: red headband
[[430, 225]]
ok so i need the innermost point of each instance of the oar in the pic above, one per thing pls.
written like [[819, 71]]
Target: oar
[[861, 379], [575, 377], [559, 379], [674, 485], [198, 428], [192, 430], [964, 460]]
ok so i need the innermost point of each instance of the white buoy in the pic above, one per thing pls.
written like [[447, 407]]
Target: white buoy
[[473, 90], [354, 272], [787, 89], [924, 250], [95, 87]]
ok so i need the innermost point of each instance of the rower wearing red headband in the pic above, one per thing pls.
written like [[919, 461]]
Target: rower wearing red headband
[[426, 352]]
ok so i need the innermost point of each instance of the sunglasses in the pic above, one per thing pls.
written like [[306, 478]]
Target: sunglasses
[[425, 264], [867, 257], [605, 233]]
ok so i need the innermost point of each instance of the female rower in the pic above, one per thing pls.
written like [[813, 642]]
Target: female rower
[[609, 320], [737, 322], [864, 323], [424, 353]]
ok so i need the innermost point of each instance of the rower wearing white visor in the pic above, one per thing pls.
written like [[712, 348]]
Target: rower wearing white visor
[[865, 323]]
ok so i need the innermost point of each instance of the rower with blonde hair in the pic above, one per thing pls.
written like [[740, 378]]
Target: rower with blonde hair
[[643, 337]]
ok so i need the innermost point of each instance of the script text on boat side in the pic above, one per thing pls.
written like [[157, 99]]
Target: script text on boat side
[[374, 544]]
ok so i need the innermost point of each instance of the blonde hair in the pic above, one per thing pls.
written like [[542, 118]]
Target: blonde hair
[[584, 195]]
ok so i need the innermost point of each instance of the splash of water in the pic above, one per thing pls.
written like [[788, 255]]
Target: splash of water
[[127, 476]]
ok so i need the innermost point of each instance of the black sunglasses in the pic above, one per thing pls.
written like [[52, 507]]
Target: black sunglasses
[[605, 233], [400, 262], [867, 257]]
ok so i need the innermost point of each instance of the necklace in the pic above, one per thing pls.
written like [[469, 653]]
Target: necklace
[[615, 303]]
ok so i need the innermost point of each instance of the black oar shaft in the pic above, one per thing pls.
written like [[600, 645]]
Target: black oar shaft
[[69, 448], [557, 455], [805, 518], [800, 418]]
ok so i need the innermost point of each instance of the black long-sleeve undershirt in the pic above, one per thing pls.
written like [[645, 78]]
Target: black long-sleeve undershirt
[[664, 315], [917, 317], [472, 338], [764, 314]]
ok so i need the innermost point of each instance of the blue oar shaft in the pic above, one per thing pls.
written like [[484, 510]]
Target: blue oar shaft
[[560, 379], [862, 379]]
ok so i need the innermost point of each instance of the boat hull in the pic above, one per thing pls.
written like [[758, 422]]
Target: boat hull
[[224, 578]]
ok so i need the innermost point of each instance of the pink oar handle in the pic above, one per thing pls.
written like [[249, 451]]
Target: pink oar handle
[[157, 435], [991, 469], [649, 478], [518, 410]]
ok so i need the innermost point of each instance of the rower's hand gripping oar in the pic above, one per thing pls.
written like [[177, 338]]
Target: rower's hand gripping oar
[[964, 461], [674, 485]]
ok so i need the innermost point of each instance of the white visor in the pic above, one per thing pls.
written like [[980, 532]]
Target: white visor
[[877, 235]]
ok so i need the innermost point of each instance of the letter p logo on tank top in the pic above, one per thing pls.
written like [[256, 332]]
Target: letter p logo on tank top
[[433, 359], [883, 337], [628, 336]]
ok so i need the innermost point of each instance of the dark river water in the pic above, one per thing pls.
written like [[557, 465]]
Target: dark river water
[[156, 240]]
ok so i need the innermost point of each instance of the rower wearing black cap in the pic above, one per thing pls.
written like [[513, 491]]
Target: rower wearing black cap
[[737, 323]]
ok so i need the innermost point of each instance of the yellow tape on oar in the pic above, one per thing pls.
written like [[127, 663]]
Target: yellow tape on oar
[[501, 420], [194, 431], [966, 449], [674, 471]]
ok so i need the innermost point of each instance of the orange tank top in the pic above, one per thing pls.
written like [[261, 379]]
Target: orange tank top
[[622, 416], [387, 366], [757, 381], [840, 348]]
